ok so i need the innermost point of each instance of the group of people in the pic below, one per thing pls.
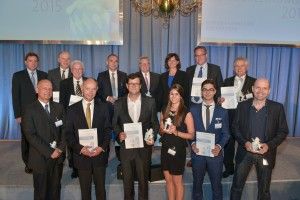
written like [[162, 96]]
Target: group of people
[[115, 98]]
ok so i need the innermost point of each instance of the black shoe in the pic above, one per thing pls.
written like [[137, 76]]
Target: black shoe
[[28, 170], [227, 173], [74, 173]]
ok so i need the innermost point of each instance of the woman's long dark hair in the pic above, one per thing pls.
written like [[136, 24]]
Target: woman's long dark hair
[[179, 116]]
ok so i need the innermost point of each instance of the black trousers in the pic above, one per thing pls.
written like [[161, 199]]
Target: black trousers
[[264, 173], [229, 152], [140, 160], [97, 174], [24, 147], [47, 184]]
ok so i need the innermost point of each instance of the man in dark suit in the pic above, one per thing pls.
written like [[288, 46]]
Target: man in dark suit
[[257, 118], [90, 162], [210, 118], [243, 84], [149, 79], [24, 92], [68, 87], [62, 71], [135, 108], [204, 70], [43, 126]]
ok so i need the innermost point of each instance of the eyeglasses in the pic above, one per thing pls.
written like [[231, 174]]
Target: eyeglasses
[[208, 90]]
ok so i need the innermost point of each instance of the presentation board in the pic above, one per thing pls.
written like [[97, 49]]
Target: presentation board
[[62, 21], [250, 21]]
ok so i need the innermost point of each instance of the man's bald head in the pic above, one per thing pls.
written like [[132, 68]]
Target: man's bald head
[[89, 89]]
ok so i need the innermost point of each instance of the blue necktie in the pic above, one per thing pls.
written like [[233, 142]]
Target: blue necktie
[[47, 109]]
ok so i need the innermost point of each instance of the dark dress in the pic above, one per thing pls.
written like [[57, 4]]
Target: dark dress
[[174, 163]]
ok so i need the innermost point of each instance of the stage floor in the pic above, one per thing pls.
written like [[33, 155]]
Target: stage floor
[[15, 184]]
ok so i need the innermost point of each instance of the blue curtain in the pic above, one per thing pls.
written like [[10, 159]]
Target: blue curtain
[[147, 36]]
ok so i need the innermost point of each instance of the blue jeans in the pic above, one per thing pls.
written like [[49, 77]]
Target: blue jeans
[[241, 173]]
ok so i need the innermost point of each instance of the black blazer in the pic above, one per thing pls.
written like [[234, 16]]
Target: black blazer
[[213, 72], [163, 94], [40, 130], [276, 129], [55, 77], [148, 117], [104, 86], [154, 81], [66, 90], [76, 120], [23, 92]]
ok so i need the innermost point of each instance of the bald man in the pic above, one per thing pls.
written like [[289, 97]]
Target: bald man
[[265, 119], [43, 126], [91, 163]]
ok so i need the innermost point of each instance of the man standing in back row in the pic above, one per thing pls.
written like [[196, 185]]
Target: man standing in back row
[[257, 118], [24, 85]]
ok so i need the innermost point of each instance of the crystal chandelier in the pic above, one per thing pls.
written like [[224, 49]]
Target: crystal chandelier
[[165, 9]]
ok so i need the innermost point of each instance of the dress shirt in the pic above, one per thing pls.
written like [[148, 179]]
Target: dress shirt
[[134, 108], [75, 83], [211, 109], [84, 105], [43, 104], [147, 76], [239, 81], [116, 80], [34, 75], [66, 72], [204, 70]]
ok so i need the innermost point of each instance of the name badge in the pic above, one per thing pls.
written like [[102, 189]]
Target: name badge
[[58, 123], [249, 96], [171, 152], [218, 125]]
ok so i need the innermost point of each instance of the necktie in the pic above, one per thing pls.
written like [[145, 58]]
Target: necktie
[[47, 109], [33, 79], [63, 76], [113, 85], [147, 81], [78, 90], [88, 115], [207, 116], [200, 74]]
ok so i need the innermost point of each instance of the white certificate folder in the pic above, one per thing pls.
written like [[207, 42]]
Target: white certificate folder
[[205, 142], [134, 135], [88, 137]]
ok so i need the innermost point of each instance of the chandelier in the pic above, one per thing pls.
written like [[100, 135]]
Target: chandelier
[[165, 9]]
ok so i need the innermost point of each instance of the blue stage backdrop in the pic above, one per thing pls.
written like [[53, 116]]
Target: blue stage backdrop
[[146, 36]]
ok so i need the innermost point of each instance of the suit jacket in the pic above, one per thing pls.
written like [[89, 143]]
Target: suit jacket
[[163, 95], [247, 88], [55, 77], [220, 115], [104, 85], [76, 120], [276, 129], [148, 117], [154, 81], [66, 90], [23, 92], [40, 130], [213, 72]]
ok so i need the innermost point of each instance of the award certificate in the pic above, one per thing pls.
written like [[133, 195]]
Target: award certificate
[[205, 142], [134, 135], [229, 94], [88, 137], [196, 87], [74, 99], [55, 96]]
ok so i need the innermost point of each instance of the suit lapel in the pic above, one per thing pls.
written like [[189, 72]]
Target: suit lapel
[[246, 86], [82, 115], [143, 108], [107, 81], [201, 123], [125, 106], [96, 111]]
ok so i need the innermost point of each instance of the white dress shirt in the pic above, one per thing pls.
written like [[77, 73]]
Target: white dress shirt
[[204, 70], [147, 76], [34, 75], [116, 80], [134, 108], [66, 72]]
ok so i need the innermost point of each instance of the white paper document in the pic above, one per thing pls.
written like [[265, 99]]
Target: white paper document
[[134, 135], [196, 87], [205, 142], [74, 99], [88, 137], [229, 94], [55, 96]]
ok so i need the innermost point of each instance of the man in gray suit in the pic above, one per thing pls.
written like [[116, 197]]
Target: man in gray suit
[[43, 125], [62, 71], [135, 108]]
